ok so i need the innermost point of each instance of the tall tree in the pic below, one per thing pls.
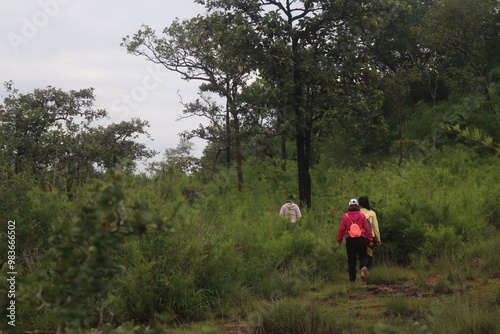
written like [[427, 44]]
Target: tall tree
[[295, 37], [118, 141], [176, 161], [466, 34], [406, 67], [213, 49]]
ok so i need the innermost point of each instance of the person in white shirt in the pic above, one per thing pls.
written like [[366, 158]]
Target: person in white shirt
[[291, 210]]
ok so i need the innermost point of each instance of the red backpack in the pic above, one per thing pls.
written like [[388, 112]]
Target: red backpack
[[354, 231]]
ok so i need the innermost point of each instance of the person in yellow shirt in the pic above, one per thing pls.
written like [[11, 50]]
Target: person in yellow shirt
[[371, 216]]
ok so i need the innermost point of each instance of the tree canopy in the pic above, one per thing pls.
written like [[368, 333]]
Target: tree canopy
[[49, 133]]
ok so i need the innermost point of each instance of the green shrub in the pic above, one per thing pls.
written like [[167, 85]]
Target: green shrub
[[277, 286], [222, 272], [401, 306], [464, 315], [76, 271], [34, 212], [44, 320], [440, 241], [327, 260], [481, 261], [133, 295]]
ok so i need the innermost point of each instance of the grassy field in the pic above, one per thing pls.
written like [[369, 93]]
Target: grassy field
[[224, 261], [407, 303]]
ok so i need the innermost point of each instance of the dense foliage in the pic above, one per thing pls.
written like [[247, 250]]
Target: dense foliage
[[396, 100], [344, 72], [214, 249]]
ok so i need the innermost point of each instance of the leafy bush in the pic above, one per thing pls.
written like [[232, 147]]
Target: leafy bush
[[75, 272], [440, 241], [34, 211]]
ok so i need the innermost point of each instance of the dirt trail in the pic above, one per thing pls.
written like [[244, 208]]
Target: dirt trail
[[366, 298]]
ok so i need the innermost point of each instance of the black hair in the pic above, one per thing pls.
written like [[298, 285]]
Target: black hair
[[290, 198], [364, 202], [353, 207]]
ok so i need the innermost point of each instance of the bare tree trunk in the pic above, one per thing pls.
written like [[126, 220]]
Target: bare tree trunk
[[303, 171], [228, 138], [303, 144], [239, 162], [283, 152], [279, 129], [214, 163], [401, 130], [433, 91]]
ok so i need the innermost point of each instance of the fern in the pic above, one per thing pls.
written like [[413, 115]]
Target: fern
[[472, 133]]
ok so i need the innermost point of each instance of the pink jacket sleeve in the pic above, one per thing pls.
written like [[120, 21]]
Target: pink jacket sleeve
[[342, 229], [361, 221]]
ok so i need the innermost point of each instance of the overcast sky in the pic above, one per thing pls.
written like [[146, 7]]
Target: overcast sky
[[75, 44]]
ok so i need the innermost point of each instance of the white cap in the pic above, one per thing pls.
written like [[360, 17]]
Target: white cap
[[353, 201]]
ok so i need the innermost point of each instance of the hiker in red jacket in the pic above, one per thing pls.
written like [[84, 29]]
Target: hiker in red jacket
[[356, 243]]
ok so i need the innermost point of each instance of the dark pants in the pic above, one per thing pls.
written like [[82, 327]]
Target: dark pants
[[369, 263], [356, 249]]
